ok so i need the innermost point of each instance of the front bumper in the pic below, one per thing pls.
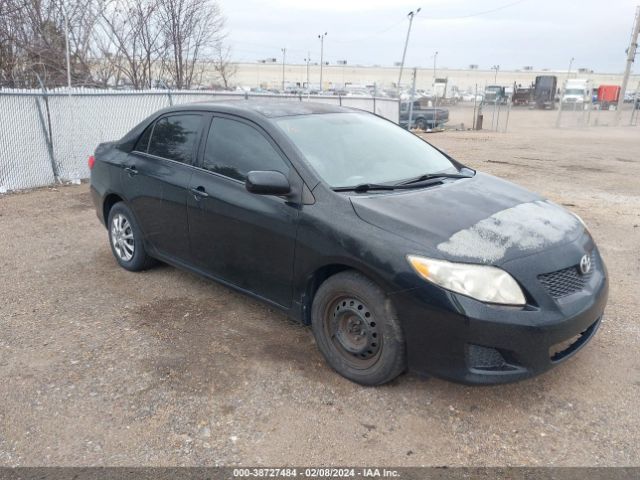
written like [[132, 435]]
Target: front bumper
[[460, 339]]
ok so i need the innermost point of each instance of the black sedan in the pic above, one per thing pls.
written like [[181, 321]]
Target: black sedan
[[397, 255]]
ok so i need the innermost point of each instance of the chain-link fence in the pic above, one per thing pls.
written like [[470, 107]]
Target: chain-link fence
[[47, 136], [509, 117]]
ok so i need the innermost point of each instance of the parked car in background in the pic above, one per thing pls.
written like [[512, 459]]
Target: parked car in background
[[423, 117], [397, 255], [470, 97]]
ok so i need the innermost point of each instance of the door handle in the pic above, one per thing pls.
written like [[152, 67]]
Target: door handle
[[199, 192], [131, 170]]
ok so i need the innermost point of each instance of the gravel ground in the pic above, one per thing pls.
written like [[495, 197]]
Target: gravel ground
[[99, 366]]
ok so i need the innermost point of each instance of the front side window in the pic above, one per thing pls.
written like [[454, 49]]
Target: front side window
[[348, 149], [174, 137], [234, 148]]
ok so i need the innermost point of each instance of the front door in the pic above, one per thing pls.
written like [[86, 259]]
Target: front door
[[242, 238]]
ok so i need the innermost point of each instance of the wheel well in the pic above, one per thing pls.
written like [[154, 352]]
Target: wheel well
[[109, 202], [314, 282]]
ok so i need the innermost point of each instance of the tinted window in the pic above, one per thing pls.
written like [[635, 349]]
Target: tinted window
[[234, 149], [174, 137], [143, 141]]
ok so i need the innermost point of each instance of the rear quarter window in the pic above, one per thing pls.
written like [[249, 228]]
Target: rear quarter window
[[142, 144], [174, 137]]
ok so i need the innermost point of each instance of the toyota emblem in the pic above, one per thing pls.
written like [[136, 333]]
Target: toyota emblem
[[585, 264]]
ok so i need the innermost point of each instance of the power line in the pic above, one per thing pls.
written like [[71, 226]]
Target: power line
[[477, 14], [373, 34]]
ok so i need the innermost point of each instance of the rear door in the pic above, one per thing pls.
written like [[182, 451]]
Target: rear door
[[242, 238], [156, 181]]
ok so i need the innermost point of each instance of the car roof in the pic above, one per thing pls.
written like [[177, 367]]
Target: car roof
[[274, 108]]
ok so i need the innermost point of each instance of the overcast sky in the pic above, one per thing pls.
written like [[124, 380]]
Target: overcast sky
[[540, 33]]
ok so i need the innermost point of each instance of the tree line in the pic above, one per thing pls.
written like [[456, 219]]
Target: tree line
[[112, 43]]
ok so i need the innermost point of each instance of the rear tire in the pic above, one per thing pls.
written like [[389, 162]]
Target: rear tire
[[126, 240], [420, 124], [357, 330]]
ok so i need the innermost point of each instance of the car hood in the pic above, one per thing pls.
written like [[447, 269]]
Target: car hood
[[478, 220]]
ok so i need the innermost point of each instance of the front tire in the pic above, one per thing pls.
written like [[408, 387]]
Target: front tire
[[126, 240], [357, 330]]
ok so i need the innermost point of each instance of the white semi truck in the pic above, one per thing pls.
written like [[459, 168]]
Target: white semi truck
[[576, 91]]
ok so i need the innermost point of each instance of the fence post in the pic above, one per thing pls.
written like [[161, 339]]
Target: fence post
[[506, 123], [170, 97], [47, 131]]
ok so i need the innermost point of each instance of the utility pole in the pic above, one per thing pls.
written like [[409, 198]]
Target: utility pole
[[66, 39], [495, 77], [307, 60], [562, 93], [435, 57], [435, 93], [406, 43], [631, 56], [413, 94], [284, 56], [321, 37]]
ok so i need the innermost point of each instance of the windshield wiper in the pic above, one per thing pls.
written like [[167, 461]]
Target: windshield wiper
[[365, 187], [417, 182], [430, 176]]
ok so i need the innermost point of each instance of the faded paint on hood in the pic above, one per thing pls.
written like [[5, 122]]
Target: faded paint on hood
[[479, 220]]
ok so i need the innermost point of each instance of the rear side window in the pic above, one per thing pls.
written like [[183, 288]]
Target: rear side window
[[234, 148], [174, 137]]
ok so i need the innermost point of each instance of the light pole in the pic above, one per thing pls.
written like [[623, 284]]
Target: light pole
[[495, 77], [307, 60], [564, 86], [406, 43], [284, 55], [435, 93], [435, 57], [321, 37]]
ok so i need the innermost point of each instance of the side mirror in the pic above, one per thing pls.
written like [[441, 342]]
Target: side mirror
[[267, 182]]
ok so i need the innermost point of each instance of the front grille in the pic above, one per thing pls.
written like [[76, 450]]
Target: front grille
[[564, 349], [568, 280]]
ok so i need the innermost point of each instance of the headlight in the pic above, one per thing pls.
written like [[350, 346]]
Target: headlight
[[483, 282]]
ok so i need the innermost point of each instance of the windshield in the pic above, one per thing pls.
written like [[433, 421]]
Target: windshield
[[574, 91], [348, 149]]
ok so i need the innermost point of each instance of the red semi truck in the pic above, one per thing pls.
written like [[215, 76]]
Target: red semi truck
[[608, 95]]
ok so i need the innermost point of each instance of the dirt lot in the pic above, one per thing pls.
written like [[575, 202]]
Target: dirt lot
[[99, 366]]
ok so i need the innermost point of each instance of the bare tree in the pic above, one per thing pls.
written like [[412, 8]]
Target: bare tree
[[139, 42], [190, 28], [9, 50], [223, 65], [33, 43], [132, 42]]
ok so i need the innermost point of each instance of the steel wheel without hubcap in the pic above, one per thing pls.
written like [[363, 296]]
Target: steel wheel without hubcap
[[353, 332], [122, 237]]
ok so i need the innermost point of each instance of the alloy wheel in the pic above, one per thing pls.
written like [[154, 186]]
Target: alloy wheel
[[122, 237]]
